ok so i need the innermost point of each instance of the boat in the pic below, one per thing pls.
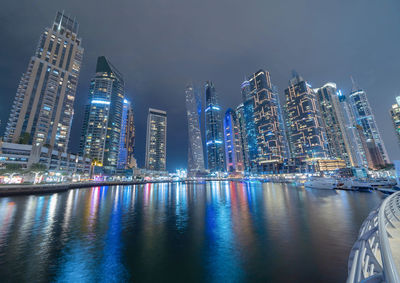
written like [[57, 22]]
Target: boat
[[359, 185], [322, 183], [382, 183]]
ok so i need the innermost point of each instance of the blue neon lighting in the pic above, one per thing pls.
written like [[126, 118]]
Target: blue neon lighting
[[213, 108], [95, 101]]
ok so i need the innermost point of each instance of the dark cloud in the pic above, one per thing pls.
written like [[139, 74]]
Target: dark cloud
[[160, 45]]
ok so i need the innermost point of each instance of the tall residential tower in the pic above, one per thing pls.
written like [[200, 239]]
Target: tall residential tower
[[214, 132], [43, 106], [195, 145], [101, 132], [156, 140]]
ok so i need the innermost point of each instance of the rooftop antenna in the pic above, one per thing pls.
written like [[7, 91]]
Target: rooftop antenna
[[353, 83]]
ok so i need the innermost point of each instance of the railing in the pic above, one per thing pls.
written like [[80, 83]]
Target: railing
[[371, 258]]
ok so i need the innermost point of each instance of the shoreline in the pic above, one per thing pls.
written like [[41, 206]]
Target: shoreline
[[14, 190]]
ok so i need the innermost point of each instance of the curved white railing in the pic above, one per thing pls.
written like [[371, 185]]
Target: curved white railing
[[371, 258]]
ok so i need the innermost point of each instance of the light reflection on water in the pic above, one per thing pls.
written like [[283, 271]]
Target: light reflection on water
[[214, 232]]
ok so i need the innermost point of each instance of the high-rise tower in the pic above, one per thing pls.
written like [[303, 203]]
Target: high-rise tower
[[233, 143], [43, 106], [395, 114], [127, 137], [334, 123], [365, 118], [214, 132], [306, 133], [102, 124], [156, 140], [195, 146], [268, 121]]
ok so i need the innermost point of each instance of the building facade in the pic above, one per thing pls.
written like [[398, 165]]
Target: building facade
[[233, 143], [268, 122], [214, 132], [334, 123], [364, 117], [306, 133], [42, 111], [195, 145], [101, 132], [156, 140], [127, 138], [395, 115], [243, 137]]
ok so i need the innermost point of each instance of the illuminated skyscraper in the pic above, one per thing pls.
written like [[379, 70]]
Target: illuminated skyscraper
[[334, 123], [214, 132], [233, 143], [127, 137], [43, 106], [395, 114], [365, 118], [156, 140], [243, 137], [195, 146], [101, 132], [268, 122], [307, 136], [356, 145]]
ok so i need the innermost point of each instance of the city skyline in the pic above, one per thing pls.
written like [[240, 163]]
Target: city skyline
[[143, 94]]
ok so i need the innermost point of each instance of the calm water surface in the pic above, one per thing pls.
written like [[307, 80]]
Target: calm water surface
[[215, 232]]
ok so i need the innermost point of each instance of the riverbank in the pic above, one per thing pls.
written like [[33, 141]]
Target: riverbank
[[12, 190]]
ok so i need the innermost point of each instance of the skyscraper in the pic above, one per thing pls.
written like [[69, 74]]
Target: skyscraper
[[195, 146], [233, 143], [101, 132], [268, 121], [156, 140], [364, 117], [307, 136], [127, 137], [243, 137], [334, 123], [214, 133], [395, 114], [42, 111], [356, 143]]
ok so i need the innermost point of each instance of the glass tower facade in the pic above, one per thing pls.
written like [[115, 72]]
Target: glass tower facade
[[334, 123], [395, 114], [233, 143], [156, 140], [364, 117], [101, 133], [42, 111], [127, 137], [306, 133], [243, 137], [195, 146], [214, 132]]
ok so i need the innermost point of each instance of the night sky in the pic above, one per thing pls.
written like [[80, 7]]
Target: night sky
[[160, 45]]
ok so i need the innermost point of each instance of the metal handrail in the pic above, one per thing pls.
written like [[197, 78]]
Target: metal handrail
[[390, 271], [371, 258]]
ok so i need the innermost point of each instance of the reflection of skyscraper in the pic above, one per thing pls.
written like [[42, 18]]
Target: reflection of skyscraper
[[233, 143], [43, 106], [333, 120], [364, 117], [267, 121], [395, 114], [214, 133], [103, 117], [306, 133], [195, 145], [156, 140], [127, 137]]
